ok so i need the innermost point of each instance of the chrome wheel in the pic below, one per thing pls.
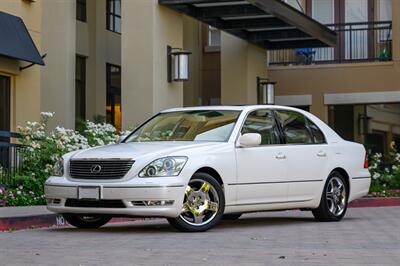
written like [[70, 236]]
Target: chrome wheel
[[201, 203], [336, 196]]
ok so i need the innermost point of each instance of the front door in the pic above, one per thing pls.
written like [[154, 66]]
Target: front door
[[4, 104], [261, 169]]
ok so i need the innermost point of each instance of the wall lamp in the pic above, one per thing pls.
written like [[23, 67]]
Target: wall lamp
[[265, 91], [178, 64]]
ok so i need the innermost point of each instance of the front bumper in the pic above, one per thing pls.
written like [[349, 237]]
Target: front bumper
[[130, 195]]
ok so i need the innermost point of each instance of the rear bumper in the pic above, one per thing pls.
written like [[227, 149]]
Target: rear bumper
[[129, 195], [359, 187]]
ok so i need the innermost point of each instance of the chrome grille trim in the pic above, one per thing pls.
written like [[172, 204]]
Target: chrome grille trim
[[110, 168]]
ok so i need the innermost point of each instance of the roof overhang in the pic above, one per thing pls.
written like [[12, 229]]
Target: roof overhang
[[270, 24], [15, 41]]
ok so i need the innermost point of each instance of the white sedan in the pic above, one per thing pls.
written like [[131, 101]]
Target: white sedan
[[196, 166]]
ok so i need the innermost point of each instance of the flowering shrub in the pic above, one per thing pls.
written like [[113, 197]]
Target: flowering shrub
[[42, 149], [385, 173]]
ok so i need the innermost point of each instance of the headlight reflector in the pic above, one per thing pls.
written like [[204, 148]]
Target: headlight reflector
[[58, 169], [167, 166]]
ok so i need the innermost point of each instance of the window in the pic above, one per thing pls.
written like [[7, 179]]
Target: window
[[80, 88], [263, 123], [113, 107], [374, 125], [294, 127], [202, 125], [214, 36], [81, 10], [114, 15], [297, 4], [317, 134]]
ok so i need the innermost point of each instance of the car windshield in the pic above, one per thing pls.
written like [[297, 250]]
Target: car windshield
[[204, 125]]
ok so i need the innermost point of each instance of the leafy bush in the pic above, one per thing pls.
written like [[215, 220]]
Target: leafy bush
[[385, 173], [42, 149]]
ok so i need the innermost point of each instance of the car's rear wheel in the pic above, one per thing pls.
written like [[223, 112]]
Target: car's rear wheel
[[231, 216], [203, 205], [333, 205], [86, 221]]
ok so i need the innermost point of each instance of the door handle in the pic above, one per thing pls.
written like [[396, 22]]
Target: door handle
[[321, 154], [280, 156]]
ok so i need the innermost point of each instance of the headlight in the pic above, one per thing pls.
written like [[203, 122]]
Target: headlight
[[168, 166], [58, 169]]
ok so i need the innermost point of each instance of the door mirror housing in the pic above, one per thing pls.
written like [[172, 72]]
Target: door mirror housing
[[249, 140]]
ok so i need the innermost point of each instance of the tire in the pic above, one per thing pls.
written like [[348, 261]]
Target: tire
[[231, 216], [204, 197], [334, 199], [86, 221]]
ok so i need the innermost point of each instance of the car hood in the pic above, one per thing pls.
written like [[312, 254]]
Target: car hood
[[138, 149]]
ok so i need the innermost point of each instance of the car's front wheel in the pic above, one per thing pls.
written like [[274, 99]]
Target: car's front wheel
[[203, 205], [334, 199], [86, 221]]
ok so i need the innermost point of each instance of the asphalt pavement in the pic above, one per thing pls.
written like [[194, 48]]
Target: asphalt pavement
[[367, 236]]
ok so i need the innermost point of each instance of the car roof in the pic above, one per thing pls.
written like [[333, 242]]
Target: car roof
[[229, 108]]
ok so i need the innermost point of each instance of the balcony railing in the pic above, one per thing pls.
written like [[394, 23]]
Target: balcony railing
[[10, 158], [356, 42]]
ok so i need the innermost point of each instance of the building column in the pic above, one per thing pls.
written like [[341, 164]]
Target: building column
[[58, 76], [147, 29], [396, 30], [241, 63]]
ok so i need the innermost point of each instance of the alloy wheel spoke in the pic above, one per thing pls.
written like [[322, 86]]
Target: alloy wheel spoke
[[198, 219], [329, 195], [211, 206], [188, 190], [205, 187]]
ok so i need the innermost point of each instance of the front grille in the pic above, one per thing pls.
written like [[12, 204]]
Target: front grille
[[94, 203], [99, 169]]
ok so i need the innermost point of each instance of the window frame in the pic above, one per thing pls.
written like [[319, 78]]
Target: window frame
[[307, 119], [111, 26], [280, 136], [81, 4]]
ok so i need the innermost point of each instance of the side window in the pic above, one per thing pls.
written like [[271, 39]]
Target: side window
[[262, 122], [317, 134], [294, 127]]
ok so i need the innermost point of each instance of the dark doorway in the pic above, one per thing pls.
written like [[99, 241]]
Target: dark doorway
[[5, 103]]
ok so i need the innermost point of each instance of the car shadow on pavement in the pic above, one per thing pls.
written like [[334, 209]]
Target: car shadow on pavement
[[161, 226]]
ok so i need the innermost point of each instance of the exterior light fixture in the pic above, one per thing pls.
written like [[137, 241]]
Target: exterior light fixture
[[265, 91], [178, 64]]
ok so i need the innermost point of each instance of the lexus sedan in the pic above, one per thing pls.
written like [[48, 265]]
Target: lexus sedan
[[196, 166]]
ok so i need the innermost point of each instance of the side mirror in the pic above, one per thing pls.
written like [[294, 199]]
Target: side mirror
[[249, 140], [121, 138]]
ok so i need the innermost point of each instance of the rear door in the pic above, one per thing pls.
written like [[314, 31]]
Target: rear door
[[261, 169], [307, 155]]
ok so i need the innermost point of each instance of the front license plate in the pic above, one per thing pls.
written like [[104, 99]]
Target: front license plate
[[89, 193]]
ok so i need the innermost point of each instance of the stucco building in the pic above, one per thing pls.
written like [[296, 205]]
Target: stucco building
[[109, 58]]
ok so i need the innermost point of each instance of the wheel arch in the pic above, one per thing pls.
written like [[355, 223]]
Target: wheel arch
[[211, 171]]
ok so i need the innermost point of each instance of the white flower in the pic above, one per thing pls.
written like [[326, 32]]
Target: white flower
[[376, 176], [47, 114]]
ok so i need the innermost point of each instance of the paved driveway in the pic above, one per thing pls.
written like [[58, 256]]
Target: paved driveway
[[367, 236]]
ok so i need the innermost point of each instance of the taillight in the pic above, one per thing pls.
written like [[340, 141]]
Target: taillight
[[366, 161]]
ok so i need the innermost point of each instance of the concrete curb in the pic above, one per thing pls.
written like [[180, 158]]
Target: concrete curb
[[49, 220]]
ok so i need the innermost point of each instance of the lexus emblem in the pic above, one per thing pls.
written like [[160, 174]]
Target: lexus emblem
[[95, 169]]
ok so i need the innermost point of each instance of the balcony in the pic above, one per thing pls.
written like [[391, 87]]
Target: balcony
[[356, 43]]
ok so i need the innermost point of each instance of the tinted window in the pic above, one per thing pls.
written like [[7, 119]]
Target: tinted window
[[263, 123], [317, 134], [294, 127]]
